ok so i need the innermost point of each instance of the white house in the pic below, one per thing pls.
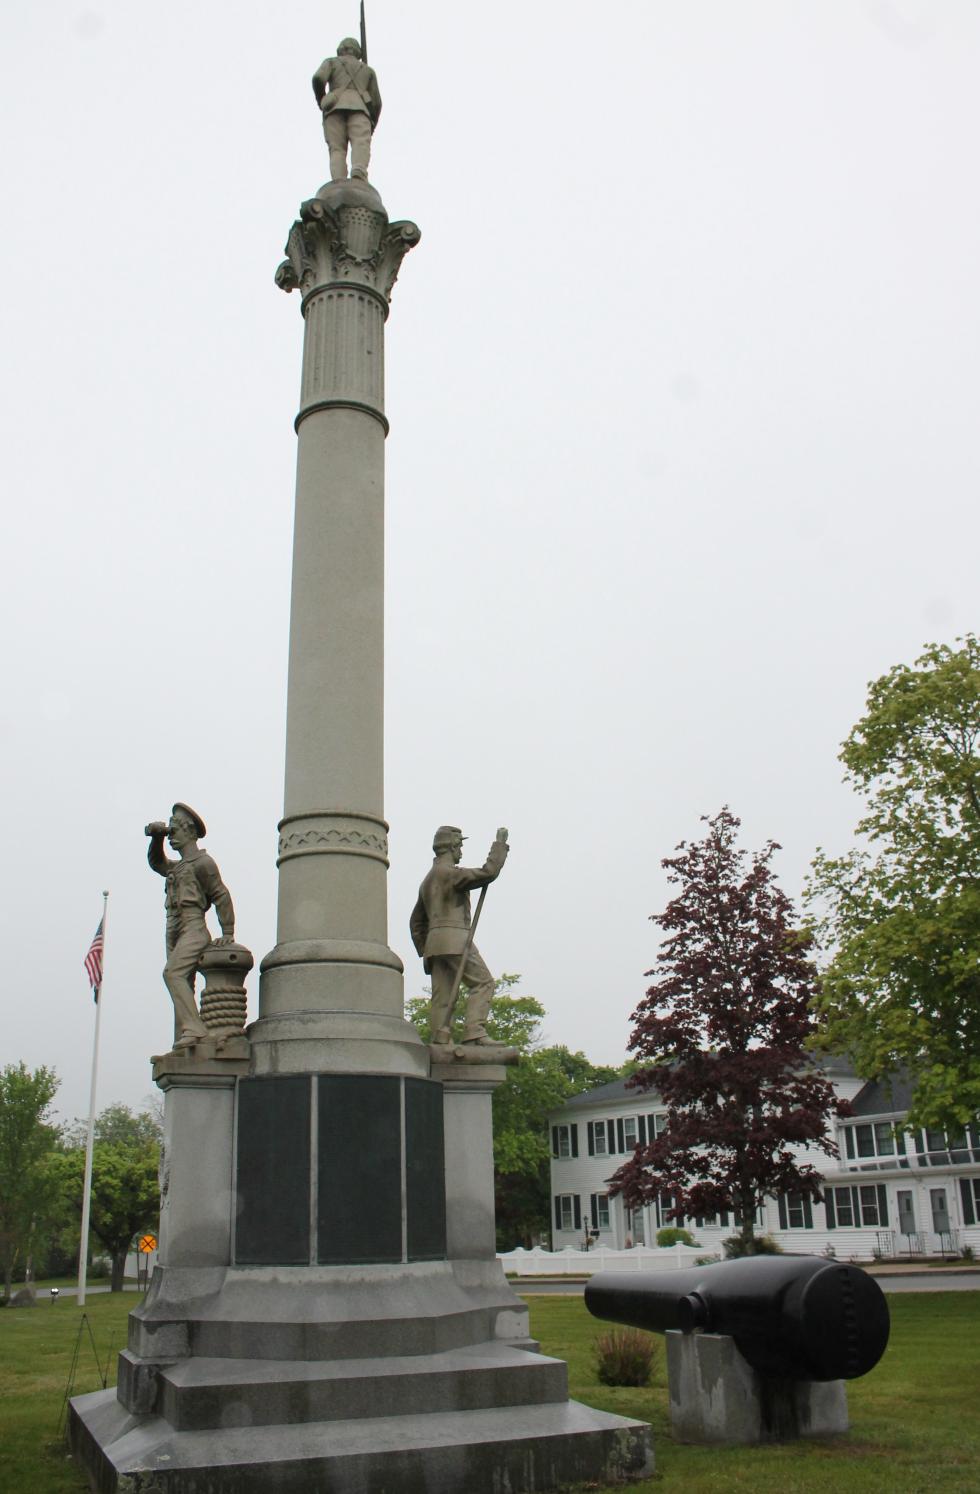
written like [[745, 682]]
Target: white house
[[891, 1193]]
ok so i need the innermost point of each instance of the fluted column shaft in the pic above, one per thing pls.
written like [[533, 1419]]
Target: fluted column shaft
[[331, 991]]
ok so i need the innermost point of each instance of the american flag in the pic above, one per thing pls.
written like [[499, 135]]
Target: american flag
[[93, 961]]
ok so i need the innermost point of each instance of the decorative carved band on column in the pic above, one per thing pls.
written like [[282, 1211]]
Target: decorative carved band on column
[[323, 832]]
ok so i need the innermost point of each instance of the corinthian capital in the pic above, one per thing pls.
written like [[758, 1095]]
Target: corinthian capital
[[343, 234]]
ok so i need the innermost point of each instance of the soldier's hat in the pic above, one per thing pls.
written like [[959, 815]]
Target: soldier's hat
[[445, 836], [194, 817]]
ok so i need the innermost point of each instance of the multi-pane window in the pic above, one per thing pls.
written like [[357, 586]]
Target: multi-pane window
[[849, 1208], [664, 1203], [970, 1196], [631, 1134], [598, 1139], [941, 1148], [875, 1144], [564, 1140], [568, 1211], [795, 1211], [599, 1203]]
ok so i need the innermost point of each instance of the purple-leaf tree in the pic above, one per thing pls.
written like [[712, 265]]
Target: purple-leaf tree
[[723, 1029]]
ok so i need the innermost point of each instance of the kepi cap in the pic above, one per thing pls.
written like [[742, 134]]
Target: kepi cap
[[445, 836]]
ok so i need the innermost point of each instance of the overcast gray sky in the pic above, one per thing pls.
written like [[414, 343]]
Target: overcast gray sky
[[683, 386]]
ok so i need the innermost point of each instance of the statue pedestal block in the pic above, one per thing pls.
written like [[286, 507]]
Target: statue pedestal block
[[198, 1131], [471, 1232], [715, 1396]]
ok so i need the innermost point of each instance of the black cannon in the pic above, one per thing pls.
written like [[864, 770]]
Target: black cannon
[[794, 1316]]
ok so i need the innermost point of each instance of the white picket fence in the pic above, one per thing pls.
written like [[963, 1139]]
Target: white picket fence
[[540, 1262]]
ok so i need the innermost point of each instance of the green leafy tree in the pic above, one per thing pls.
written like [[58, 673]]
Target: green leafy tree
[[27, 1139], [543, 1080], [899, 915], [117, 1124], [125, 1190]]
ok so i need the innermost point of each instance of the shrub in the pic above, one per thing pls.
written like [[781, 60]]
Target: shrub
[[737, 1246], [967, 1253], [674, 1236], [706, 1260], [100, 1269], [625, 1357]]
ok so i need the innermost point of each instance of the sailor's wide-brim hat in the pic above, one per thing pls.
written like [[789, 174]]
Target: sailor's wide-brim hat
[[194, 817]]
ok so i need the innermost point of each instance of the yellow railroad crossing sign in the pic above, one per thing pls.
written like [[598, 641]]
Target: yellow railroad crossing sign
[[147, 1243]]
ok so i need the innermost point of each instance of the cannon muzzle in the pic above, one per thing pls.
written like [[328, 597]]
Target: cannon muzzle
[[795, 1316]]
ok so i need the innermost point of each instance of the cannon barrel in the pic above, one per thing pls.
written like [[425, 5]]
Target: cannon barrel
[[790, 1315]]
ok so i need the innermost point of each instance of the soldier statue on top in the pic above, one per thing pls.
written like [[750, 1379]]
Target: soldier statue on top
[[442, 933], [193, 886], [347, 92]]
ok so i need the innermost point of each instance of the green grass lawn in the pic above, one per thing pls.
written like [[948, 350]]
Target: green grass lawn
[[914, 1420]]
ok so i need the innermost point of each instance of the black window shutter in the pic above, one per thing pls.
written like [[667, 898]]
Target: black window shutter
[[554, 1141], [594, 1209], [573, 1128], [807, 1213], [651, 1128], [882, 1205], [557, 1211], [643, 1130], [590, 1136], [577, 1206], [620, 1135], [610, 1137], [849, 1141], [828, 1203], [782, 1212], [969, 1212]]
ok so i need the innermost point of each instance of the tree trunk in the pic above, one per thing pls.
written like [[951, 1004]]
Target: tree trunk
[[747, 1210], [8, 1276], [118, 1270]]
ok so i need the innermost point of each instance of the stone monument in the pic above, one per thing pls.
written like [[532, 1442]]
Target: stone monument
[[329, 1312]]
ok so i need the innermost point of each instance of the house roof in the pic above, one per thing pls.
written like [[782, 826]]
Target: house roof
[[614, 1090], [882, 1096], [833, 1065]]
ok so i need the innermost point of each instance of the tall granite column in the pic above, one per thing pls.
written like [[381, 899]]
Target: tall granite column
[[331, 994]]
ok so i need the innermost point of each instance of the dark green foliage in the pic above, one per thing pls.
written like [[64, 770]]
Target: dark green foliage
[[624, 1356], [27, 1139], [540, 1083], [672, 1235], [738, 1245], [125, 1190]]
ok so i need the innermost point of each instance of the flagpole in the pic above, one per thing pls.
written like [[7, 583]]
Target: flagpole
[[90, 1137]]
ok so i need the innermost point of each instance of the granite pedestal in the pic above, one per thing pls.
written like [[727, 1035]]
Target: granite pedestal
[[715, 1396]]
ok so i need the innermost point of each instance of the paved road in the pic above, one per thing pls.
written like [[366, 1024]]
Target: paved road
[[90, 1291], [917, 1281]]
